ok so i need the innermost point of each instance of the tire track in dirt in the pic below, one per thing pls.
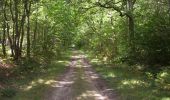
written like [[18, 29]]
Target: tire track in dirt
[[81, 82]]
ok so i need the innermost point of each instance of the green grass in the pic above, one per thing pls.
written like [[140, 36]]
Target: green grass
[[133, 84], [32, 79]]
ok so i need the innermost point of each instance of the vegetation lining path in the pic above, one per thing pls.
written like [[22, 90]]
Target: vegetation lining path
[[81, 82]]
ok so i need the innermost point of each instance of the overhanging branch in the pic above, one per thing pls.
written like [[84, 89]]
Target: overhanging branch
[[114, 7]]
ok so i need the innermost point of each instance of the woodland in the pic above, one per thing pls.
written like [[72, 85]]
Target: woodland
[[126, 41]]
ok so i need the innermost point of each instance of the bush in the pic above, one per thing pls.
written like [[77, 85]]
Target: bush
[[8, 92]]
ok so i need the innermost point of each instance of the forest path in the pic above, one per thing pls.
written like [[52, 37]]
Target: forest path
[[81, 82]]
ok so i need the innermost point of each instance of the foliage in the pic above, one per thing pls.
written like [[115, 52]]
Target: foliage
[[107, 35], [8, 92], [133, 84]]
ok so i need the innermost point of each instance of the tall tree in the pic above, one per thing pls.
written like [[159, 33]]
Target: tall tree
[[4, 29], [28, 10], [126, 9]]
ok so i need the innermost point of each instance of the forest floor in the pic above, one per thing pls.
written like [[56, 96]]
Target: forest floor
[[80, 82], [30, 79], [78, 75]]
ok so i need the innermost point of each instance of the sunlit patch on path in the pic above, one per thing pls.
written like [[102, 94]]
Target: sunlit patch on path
[[81, 82], [91, 94]]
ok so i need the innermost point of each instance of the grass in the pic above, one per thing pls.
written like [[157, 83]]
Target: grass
[[133, 84], [31, 79]]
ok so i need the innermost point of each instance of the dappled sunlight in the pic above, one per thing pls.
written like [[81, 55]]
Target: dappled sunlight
[[95, 60], [28, 88], [111, 75], [85, 66], [40, 81], [48, 82], [91, 95], [60, 84], [94, 77], [132, 83], [52, 83], [165, 98], [83, 48], [36, 83], [78, 65], [5, 64], [164, 74], [105, 59], [63, 61], [78, 56], [60, 61]]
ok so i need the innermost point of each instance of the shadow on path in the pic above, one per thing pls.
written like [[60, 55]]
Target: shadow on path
[[81, 82]]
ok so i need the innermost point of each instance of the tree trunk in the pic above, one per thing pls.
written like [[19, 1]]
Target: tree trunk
[[10, 41], [22, 29], [131, 32], [16, 47], [4, 30], [13, 29], [4, 39], [28, 38], [35, 30], [28, 27], [169, 9], [21, 41], [169, 5], [131, 26]]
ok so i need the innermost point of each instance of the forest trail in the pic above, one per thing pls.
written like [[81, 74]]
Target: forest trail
[[80, 82]]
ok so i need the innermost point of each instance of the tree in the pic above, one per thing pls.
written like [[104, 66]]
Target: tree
[[126, 9]]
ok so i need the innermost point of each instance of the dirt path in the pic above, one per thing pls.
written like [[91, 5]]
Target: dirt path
[[81, 82]]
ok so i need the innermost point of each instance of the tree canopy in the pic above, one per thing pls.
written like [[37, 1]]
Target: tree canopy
[[118, 30]]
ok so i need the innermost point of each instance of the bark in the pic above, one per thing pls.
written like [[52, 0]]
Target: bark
[[34, 37], [131, 33], [13, 28], [4, 30], [10, 41], [169, 9], [131, 25], [28, 27], [28, 37], [36, 25], [21, 41], [169, 6], [4, 39], [35, 31], [22, 30], [16, 46]]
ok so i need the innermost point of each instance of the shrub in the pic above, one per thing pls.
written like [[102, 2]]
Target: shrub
[[8, 92]]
